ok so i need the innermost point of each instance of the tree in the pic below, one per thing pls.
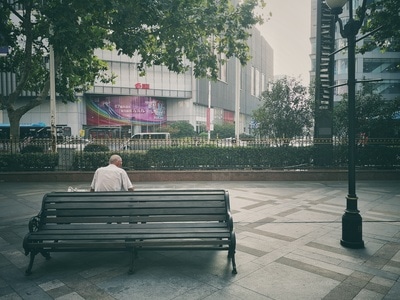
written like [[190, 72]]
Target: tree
[[222, 131], [285, 111], [180, 129], [384, 17], [175, 33], [374, 115]]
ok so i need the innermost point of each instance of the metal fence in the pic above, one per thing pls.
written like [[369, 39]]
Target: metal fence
[[31, 145]]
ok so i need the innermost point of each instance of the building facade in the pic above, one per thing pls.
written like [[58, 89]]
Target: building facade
[[373, 65], [137, 103]]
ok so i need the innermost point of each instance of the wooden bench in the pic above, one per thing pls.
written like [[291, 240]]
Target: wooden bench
[[133, 222]]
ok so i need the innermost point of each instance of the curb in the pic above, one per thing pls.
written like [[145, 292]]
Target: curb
[[207, 175]]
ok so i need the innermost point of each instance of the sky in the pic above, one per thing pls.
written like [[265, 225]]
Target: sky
[[288, 33]]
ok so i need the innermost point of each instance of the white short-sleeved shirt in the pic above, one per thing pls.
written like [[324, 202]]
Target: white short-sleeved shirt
[[110, 178]]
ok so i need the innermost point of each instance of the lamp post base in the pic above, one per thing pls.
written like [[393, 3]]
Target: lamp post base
[[352, 230]]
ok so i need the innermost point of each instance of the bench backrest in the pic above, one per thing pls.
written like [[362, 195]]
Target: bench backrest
[[139, 206]]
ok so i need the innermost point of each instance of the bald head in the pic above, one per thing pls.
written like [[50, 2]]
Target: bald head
[[115, 159]]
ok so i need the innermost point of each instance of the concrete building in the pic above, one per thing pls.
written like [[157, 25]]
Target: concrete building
[[138, 104], [371, 65]]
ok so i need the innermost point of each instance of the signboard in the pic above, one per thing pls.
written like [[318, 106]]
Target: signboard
[[125, 110]]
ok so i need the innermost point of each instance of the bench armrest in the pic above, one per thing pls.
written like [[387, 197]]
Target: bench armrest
[[34, 224], [230, 221]]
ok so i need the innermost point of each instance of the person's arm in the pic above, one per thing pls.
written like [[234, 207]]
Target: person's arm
[[126, 182], [92, 185]]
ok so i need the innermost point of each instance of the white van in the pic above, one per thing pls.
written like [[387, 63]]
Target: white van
[[151, 136], [147, 140]]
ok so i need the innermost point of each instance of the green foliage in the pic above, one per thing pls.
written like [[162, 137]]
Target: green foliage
[[180, 129], [246, 137], [135, 161], [378, 156], [174, 33], [168, 31], [96, 148], [203, 135], [223, 131], [209, 158], [32, 149], [383, 15], [285, 111], [227, 158], [28, 162], [374, 115], [90, 161]]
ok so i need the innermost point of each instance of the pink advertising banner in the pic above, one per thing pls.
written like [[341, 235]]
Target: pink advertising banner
[[125, 110]]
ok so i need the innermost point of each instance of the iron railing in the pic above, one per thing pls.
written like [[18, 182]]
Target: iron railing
[[79, 144]]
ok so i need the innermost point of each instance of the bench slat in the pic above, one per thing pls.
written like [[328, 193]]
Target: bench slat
[[125, 245], [138, 196], [130, 227], [136, 205], [127, 219], [136, 211]]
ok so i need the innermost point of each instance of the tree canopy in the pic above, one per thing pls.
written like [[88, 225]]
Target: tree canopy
[[285, 110], [223, 131], [174, 33], [384, 17], [180, 129]]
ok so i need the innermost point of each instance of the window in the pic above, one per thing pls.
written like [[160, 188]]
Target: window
[[262, 82], [341, 66], [381, 65], [257, 83], [252, 81]]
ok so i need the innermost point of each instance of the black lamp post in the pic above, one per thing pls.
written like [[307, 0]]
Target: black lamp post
[[351, 220]]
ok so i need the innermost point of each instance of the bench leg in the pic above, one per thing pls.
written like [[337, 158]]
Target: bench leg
[[131, 267], [31, 259], [234, 271], [231, 255], [232, 251]]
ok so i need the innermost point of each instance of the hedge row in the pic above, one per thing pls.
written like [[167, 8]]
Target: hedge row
[[209, 158], [28, 162]]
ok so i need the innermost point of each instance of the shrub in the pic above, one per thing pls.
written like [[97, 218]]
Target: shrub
[[32, 149], [90, 161], [96, 148], [28, 162]]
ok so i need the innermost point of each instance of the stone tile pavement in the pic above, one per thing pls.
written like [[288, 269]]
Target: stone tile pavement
[[288, 248]]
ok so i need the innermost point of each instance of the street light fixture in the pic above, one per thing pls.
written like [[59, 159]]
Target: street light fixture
[[351, 220]]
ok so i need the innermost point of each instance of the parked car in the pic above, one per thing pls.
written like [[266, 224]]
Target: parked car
[[74, 143], [145, 141]]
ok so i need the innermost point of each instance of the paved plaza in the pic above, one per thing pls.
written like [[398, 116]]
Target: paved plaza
[[288, 248]]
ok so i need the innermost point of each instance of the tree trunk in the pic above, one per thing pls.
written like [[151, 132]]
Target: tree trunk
[[14, 118], [15, 115], [14, 125]]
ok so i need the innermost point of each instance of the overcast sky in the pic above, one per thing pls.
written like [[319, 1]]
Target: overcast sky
[[288, 33]]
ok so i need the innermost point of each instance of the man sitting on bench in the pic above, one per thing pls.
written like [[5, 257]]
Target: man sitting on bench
[[111, 177]]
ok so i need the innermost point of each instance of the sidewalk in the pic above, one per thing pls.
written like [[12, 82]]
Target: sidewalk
[[288, 248]]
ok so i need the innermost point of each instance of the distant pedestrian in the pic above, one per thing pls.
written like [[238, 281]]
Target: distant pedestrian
[[112, 177]]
